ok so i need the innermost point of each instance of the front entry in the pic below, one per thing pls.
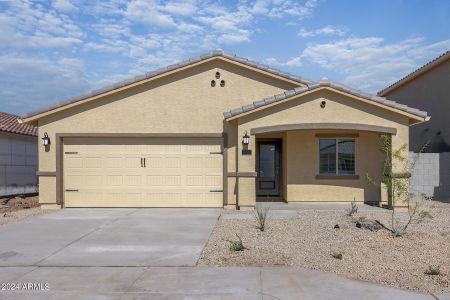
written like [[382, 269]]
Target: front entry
[[268, 169]]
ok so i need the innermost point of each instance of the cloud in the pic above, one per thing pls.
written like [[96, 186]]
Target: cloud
[[327, 30], [370, 63], [282, 8], [35, 82], [64, 6], [147, 12]]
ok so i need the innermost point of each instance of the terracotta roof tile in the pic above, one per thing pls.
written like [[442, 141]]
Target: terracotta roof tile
[[9, 123]]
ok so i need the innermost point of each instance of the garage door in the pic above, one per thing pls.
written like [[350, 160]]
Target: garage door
[[126, 172]]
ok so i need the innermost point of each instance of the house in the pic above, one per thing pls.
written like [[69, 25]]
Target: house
[[216, 131], [18, 156], [428, 88]]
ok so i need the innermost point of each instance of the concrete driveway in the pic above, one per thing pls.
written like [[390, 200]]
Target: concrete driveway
[[108, 237]]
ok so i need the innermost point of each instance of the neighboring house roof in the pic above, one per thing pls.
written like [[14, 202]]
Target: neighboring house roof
[[325, 83], [435, 62], [192, 61], [9, 123]]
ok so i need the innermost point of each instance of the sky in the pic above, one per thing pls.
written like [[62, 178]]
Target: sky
[[54, 50]]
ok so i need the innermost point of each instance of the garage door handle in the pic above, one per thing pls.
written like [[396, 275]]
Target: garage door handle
[[216, 191], [68, 190]]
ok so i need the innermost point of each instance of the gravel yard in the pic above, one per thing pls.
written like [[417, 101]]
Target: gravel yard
[[19, 208], [310, 239]]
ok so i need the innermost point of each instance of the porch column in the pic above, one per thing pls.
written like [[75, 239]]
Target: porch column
[[246, 173]]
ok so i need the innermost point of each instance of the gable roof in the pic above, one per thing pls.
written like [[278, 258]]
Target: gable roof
[[9, 123], [428, 66], [217, 53], [325, 83]]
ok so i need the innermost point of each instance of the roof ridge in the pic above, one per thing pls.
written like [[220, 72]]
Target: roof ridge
[[324, 82], [415, 73], [214, 53], [9, 123]]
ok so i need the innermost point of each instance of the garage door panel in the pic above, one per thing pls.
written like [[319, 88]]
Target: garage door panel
[[177, 173]]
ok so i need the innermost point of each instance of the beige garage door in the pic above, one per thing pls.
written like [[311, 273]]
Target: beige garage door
[[127, 172]]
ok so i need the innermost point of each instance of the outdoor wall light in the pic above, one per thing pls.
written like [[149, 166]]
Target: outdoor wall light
[[245, 139], [45, 140]]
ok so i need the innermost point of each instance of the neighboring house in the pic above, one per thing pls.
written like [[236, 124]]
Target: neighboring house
[[18, 156], [216, 131], [428, 88]]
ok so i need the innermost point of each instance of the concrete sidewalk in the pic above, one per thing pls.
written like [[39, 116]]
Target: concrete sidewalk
[[192, 283]]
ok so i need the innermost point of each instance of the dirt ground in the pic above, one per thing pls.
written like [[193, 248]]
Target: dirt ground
[[17, 208], [310, 240]]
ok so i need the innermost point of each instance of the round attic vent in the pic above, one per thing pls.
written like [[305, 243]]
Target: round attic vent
[[222, 83], [213, 83], [323, 104], [217, 75]]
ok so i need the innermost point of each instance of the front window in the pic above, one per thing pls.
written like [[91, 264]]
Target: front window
[[337, 156]]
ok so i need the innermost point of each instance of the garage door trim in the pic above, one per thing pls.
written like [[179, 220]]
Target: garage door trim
[[60, 157]]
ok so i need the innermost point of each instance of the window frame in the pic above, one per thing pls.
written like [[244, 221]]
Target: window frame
[[337, 174]]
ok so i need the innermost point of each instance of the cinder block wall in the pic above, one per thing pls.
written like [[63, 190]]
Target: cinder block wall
[[431, 175]]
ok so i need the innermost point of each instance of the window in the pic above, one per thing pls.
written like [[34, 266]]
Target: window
[[337, 156]]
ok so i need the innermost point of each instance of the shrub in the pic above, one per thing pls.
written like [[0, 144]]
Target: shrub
[[337, 255], [236, 245], [353, 208], [433, 270], [261, 218]]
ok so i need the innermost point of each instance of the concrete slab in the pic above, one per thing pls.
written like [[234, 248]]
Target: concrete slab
[[199, 283], [299, 283], [146, 237], [33, 239], [327, 206], [249, 215]]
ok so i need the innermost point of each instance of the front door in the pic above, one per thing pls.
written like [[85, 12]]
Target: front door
[[268, 168]]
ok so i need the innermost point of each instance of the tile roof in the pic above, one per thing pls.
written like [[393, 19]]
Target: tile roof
[[214, 53], [9, 123], [438, 60], [323, 83]]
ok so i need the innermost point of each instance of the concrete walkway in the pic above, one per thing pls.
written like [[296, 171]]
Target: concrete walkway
[[192, 283]]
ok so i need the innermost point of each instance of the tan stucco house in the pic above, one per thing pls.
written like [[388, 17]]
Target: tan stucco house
[[216, 131]]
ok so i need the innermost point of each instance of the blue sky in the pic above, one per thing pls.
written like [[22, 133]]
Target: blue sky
[[52, 50]]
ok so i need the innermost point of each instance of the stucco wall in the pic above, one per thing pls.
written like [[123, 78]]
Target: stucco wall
[[302, 147], [184, 102], [430, 92], [18, 164]]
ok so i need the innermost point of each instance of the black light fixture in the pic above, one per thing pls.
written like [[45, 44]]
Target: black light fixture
[[45, 140], [246, 139], [245, 142]]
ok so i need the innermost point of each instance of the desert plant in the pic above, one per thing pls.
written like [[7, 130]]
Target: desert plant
[[433, 270], [397, 185], [337, 255], [353, 208], [236, 245], [261, 216]]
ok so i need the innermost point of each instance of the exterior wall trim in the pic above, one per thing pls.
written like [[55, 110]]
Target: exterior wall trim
[[324, 126], [242, 174], [337, 177], [59, 148], [46, 173]]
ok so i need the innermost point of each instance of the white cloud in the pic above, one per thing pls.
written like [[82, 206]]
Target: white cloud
[[35, 82], [281, 8], [183, 8], [64, 6], [327, 30], [370, 63], [147, 12]]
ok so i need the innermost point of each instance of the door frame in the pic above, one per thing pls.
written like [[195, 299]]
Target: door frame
[[279, 144]]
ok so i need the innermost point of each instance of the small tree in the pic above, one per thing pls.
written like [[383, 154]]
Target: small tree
[[397, 185]]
